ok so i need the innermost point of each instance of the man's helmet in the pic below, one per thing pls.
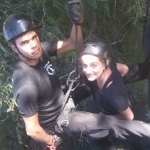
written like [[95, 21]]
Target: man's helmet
[[17, 24], [98, 48]]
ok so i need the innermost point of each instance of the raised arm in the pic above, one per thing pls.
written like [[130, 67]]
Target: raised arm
[[70, 43], [75, 13]]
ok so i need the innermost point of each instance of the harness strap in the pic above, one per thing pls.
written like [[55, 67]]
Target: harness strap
[[66, 98]]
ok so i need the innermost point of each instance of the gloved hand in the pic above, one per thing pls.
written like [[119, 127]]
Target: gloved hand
[[75, 11]]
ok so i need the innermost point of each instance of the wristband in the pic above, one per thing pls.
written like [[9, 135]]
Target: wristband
[[78, 23]]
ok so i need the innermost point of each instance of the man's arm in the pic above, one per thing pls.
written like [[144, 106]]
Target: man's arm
[[70, 43], [34, 130], [75, 14]]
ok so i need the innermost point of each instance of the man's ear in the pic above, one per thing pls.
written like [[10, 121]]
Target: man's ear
[[14, 48]]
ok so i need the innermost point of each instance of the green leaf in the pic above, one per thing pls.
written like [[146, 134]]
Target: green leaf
[[56, 30], [92, 3], [105, 5], [1, 74], [19, 137], [14, 116], [20, 142], [50, 36], [20, 125], [50, 20], [20, 132]]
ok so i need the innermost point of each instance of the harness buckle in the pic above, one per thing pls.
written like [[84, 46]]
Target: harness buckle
[[65, 122]]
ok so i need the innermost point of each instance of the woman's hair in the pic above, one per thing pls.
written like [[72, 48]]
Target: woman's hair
[[105, 61]]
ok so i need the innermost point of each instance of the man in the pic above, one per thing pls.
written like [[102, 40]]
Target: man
[[36, 86], [37, 90]]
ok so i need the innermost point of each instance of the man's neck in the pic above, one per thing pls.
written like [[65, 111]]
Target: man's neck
[[29, 62]]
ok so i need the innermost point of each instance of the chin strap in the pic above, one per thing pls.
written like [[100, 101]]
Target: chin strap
[[24, 57]]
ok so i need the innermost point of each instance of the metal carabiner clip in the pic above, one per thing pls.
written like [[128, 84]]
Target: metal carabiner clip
[[69, 78]]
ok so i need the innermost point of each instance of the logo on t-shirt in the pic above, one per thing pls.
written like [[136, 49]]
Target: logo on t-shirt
[[49, 68]]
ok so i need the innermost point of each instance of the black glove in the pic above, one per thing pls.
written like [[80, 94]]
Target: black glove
[[75, 8], [137, 72]]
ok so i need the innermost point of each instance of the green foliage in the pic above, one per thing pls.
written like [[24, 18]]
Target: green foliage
[[119, 22], [92, 3]]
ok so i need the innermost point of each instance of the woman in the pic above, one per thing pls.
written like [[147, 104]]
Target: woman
[[107, 83], [105, 78]]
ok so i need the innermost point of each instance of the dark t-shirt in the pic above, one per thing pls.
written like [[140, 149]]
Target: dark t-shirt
[[112, 99], [37, 89]]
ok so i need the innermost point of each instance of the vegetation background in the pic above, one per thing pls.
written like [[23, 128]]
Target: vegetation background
[[119, 22]]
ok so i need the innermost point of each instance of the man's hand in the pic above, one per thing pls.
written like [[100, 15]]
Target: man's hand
[[51, 143], [75, 11], [51, 147]]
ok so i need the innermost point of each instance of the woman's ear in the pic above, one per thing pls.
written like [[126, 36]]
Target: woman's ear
[[107, 63]]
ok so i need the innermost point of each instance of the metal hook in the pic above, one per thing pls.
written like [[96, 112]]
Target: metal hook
[[69, 77]]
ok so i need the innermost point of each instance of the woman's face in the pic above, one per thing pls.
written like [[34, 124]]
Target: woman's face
[[92, 66]]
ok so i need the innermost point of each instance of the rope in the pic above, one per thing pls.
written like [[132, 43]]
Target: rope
[[76, 30]]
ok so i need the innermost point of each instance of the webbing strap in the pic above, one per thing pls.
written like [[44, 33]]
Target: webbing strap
[[66, 97]]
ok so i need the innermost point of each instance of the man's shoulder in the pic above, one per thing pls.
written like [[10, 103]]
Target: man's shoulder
[[20, 68], [49, 48], [22, 75]]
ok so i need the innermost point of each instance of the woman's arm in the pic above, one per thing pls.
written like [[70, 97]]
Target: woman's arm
[[133, 73], [122, 68], [125, 115]]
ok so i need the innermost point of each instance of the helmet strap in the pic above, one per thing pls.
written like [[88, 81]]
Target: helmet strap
[[24, 57]]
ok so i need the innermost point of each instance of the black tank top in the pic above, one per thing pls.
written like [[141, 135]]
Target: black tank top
[[112, 99]]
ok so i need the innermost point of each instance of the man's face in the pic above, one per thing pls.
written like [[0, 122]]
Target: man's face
[[29, 45]]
